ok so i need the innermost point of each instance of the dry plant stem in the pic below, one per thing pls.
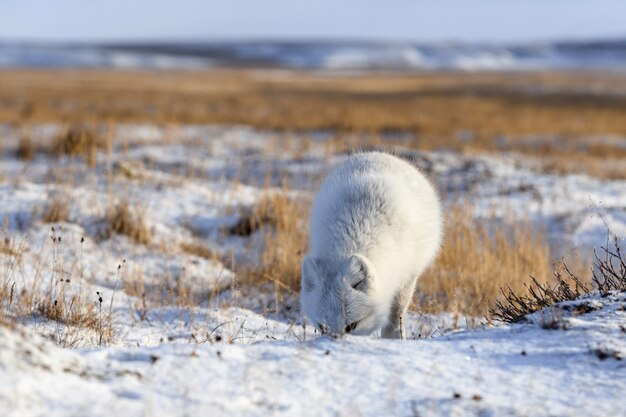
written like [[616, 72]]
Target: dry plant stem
[[70, 315], [609, 274]]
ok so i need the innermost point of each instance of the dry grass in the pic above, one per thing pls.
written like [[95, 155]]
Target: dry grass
[[78, 314], [78, 141], [285, 240], [8, 246], [11, 253], [198, 249], [57, 209], [123, 219], [26, 149], [167, 290], [70, 311], [486, 112], [426, 103], [476, 263], [134, 284]]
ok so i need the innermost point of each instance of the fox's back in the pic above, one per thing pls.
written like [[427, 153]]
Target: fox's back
[[378, 205]]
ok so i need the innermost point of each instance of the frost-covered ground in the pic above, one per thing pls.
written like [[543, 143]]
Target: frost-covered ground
[[238, 353]]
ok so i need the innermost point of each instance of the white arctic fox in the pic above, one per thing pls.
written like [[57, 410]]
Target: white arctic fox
[[375, 227]]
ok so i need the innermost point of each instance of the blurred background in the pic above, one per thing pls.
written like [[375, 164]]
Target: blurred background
[[491, 75], [352, 35]]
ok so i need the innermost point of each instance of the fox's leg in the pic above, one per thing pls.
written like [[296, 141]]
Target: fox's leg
[[395, 328]]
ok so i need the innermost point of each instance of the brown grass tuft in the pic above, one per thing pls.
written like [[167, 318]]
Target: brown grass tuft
[[285, 240], [198, 249], [26, 149], [122, 219], [476, 263], [79, 141], [57, 209], [8, 247], [72, 312]]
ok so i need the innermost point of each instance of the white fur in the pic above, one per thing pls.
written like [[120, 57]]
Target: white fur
[[376, 224]]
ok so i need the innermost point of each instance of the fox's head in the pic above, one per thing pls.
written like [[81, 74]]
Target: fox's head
[[336, 296]]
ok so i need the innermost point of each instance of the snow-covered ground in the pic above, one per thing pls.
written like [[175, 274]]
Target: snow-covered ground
[[518, 370], [235, 353]]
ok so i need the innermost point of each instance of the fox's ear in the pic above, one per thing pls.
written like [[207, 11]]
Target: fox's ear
[[360, 273], [310, 273]]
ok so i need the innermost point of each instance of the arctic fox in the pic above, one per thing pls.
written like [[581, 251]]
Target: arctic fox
[[375, 227]]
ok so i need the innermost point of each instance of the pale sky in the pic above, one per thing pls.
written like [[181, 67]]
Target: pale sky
[[442, 20]]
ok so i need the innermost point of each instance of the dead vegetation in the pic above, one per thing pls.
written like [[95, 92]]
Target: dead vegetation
[[57, 208], [166, 290], [74, 140], [285, 243], [75, 316], [11, 252], [73, 312], [609, 274], [78, 141], [282, 220], [198, 249], [123, 219], [554, 117], [475, 263], [536, 295], [9, 246], [26, 148]]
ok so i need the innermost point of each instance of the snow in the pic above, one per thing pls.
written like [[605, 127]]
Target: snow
[[211, 168], [508, 370], [234, 352], [576, 210]]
